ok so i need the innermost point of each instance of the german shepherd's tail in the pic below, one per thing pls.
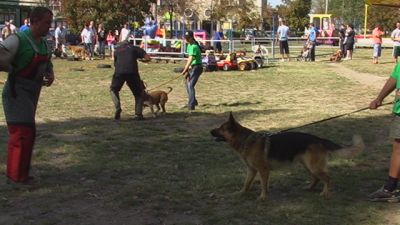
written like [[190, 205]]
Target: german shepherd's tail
[[170, 89], [352, 151]]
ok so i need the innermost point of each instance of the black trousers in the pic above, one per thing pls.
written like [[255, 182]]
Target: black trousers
[[136, 86]]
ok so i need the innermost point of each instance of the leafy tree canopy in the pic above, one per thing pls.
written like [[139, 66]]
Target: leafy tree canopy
[[111, 13]]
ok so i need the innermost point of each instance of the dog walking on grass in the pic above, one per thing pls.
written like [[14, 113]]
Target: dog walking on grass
[[260, 151], [156, 98]]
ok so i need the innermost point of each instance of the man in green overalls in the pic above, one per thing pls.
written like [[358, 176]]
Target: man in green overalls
[[26, 57]]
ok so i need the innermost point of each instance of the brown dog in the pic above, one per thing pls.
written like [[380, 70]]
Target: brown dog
[[77, 51], [261, 151], [337, 56], [157, 98]]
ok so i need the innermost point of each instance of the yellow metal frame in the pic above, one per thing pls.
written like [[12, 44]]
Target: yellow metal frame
[[320, 17]]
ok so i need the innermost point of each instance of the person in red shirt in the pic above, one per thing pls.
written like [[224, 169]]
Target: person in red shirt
[[377, 34]]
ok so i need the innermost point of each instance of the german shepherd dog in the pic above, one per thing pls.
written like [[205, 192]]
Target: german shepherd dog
[[260, 151], [336, 57], [157, 98]]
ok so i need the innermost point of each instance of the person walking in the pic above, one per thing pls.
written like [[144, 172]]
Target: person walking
[[342, 36], [377, 34], [6, 31], [283, 38], [349, 42], [101, 40], [126, 70], [124, 34], [30, 58], [25, 26], [111, 43], [389, 191], [192, 70], [88, 37], [218, 36], [312, 38], [395, 36], [60, 35]]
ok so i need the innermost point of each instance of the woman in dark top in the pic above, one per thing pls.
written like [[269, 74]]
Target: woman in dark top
[[349, 41], [101, 39]]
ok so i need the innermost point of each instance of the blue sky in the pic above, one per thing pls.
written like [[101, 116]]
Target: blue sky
[[274, 2]]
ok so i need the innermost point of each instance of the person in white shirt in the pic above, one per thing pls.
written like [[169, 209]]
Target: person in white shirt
[[60, 34], [124, 33], [396, 42], [13, 27], [88, 37], [283, 37]]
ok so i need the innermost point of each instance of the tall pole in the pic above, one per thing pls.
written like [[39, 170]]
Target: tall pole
[[365, 21], [171, 14], [326, 6], [273, 36]]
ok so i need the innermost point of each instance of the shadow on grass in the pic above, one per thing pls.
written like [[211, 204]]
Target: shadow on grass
[[169, 170]]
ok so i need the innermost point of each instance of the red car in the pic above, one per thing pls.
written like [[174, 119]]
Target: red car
[[229, 63]]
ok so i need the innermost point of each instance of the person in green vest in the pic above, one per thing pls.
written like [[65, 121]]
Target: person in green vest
[[27, 59], [193, 69]]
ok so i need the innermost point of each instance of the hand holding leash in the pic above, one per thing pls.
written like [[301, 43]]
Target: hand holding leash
[[48, 79], [375, 104]]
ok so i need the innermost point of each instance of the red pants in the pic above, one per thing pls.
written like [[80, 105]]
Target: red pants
[[19, 152]]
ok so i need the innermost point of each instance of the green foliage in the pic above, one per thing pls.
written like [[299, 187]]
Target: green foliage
[[383, 16], [111, 13], [348, 11], [240, 11], [295, 12]]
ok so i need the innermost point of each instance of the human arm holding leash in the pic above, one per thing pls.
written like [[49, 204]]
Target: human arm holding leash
[[389, 86], [146, 58], [187, 67]]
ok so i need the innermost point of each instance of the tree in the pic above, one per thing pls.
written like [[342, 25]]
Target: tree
[[319, 6], [386, 17], [348, 11], [268, 13], [111, 13], [241, 11], [295, 12]]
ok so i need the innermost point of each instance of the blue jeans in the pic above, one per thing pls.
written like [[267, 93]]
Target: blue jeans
[[89, 49], [102, 48], [191, 81]]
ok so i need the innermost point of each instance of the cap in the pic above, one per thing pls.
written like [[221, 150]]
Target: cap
[[189, 33]]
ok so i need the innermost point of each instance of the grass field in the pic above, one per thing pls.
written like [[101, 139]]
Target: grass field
[[91, 169]]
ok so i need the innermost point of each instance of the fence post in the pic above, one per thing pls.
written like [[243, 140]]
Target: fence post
[[273, 37]]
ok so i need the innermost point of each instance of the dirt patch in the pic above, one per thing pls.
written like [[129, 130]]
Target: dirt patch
[[363, 78]]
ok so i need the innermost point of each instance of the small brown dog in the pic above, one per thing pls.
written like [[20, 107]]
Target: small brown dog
[[157, 98], [262, 152], [337, 56], [77, 51]]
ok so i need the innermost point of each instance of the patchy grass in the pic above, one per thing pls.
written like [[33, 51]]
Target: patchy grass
[[362, 62], [168, 170]]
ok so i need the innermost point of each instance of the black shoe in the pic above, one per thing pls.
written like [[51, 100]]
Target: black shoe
[[138, 118], [117, 114], [383, 195]]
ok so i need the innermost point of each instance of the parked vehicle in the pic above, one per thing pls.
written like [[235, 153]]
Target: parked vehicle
[[229, 63]]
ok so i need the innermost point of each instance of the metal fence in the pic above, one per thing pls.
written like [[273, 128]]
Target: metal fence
[[174, 49]]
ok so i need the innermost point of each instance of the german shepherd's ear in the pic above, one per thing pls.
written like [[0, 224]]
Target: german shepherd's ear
[[231, 120]]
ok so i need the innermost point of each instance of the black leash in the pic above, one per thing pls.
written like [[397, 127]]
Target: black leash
[[331, 118], [168, 81]]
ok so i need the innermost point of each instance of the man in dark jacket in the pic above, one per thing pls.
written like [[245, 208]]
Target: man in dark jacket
[[126, 70]]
